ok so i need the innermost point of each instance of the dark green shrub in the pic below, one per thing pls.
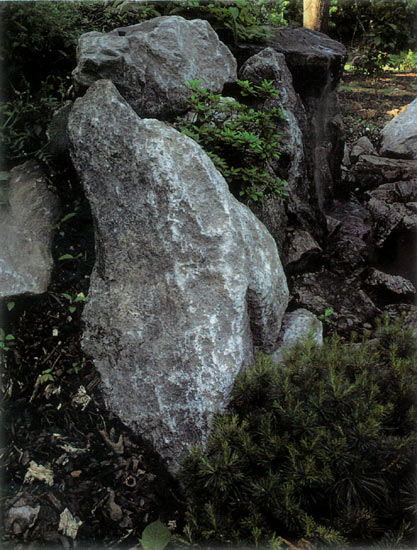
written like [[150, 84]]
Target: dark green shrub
[[369, 28], [241, 140], [322, 446]]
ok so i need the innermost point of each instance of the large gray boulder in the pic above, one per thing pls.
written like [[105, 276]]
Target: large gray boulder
[[150, 63], [27, 214], [399, 136], [186, 281]]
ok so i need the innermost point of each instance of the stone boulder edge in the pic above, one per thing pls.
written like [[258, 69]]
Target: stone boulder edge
[[26, 232], [399, 136], [151, 62], [186, 281]]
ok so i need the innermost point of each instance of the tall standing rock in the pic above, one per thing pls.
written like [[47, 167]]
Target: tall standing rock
[[186, 282], [150, 63], [316, 63]]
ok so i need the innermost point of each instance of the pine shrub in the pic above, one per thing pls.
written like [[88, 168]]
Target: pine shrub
[[321, 447]]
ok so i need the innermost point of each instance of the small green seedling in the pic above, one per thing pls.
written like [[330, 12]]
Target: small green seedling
[[326, 315], [155, 536], [46, 376], [6, 340], [79, 298]]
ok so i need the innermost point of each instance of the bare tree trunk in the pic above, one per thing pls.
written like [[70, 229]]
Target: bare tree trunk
[[316, 14]]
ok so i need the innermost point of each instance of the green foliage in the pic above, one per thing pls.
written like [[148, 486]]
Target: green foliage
[[404, 61], [155, 536], [242, 19], [39, 39], [370, 29], [6, 340], [322, 446], [24, 121], [241, 140]]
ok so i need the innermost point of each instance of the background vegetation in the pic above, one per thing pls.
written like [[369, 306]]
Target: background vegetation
[[40, 38]]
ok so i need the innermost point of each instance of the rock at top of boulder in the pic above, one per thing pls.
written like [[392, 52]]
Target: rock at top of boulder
[[150, 63]]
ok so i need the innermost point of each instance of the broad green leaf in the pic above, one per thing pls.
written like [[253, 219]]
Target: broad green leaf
[[10, 305], [66, 257], [65, 295], [72, 309], [155, 536], [234, 12]]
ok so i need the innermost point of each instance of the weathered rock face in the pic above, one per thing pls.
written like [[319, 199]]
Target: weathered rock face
[[151, 62], [186, 282], [316, 63], [25, 232], [323, 290], [371, 171], [297, 326], [399, 136], [390, 288], [393, 207], [352, 240]]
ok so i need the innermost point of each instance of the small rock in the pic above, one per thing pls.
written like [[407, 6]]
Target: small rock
[[297, 326], [362, 146]]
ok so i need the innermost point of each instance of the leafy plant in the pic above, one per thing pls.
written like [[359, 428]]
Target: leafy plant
[[78, 298], [24, 120], [6, 340], [155, 536], [320, 447], [326, 315], [241, 140], [371, 31]]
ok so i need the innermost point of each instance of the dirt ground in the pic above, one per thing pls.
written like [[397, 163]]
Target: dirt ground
[[53, 412]]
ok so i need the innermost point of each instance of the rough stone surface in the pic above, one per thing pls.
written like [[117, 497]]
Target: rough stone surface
[[392, 208], [304, 251], [270, 65], [297, 326], [351, 240], [57, 131], [371, 171], [393, 287], [25, 232], [186, 282], [151, 62], [362, 147], [399, 136], [323, 290]]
